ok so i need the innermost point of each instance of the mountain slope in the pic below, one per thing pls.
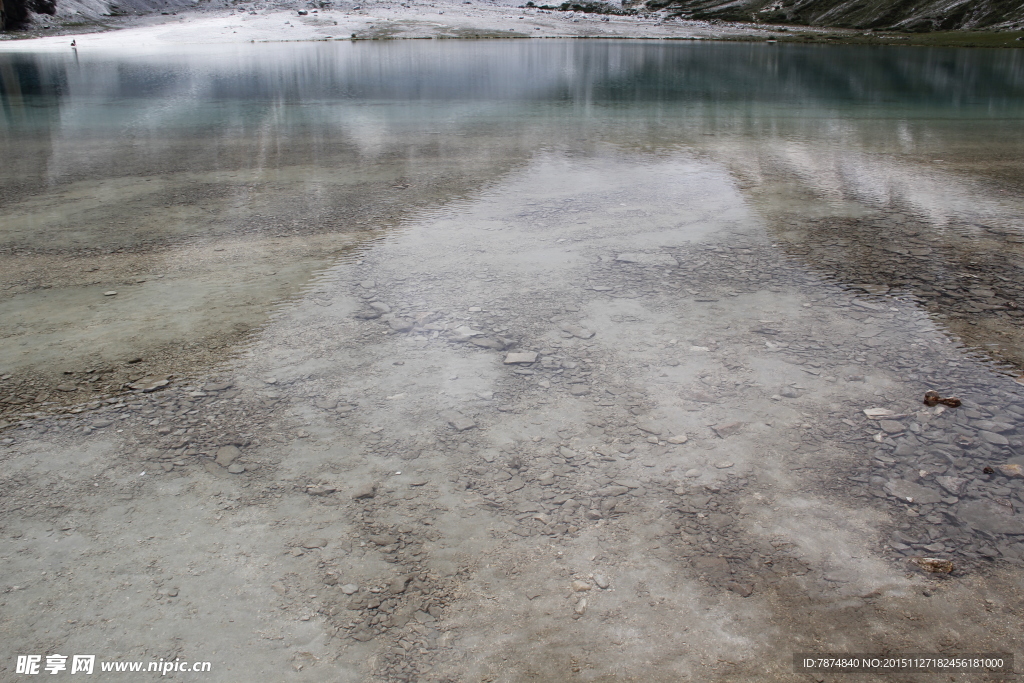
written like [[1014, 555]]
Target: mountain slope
[[909, 15]]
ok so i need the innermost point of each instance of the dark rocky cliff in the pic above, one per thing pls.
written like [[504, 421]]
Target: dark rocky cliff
[[906, 15], [15, 13]]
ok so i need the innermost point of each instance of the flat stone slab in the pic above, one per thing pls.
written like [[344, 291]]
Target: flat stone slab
[[648, 259], [576, 331], [462, 423], [521, 357], [954, 485], [891, 426], [649, 427], [984, 515], [993, 438], [1010, 470], [227, 455], [725, 429], [910, 492]]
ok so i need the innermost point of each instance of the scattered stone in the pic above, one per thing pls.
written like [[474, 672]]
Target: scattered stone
[[320, 489], [649, 427], [401, 324], [602, 581], [576, 331], [891, 426], [365, 491], [149, 385], [488, 343], [235, 468], [666, 260], [954, 485], [399, 583], [789, 392], [726, 429], [66, 387], [744, 590], [1010, 470], [227, 455], [350, 589], [985, 515], [581, 607], [678, 439], [933, 398], [878, 413], [711, 564], [110, 293], [724, 465], [313, 543], [993, 438], [932, 565], [580, 586], [367, 314], [463, 333], [462, 423], [522, 357], [910, 492], [218, 386]]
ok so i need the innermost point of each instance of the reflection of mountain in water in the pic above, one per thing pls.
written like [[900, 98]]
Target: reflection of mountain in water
[[581, 72], [267, 105]]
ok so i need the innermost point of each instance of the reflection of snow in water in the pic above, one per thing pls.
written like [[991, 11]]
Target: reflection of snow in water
[[935, 195]]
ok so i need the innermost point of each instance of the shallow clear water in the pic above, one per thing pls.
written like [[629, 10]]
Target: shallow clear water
[[290, 154], [715, 258], [285, 156]]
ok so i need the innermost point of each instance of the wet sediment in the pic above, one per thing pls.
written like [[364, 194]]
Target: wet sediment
[[606, 414], [669, 455]]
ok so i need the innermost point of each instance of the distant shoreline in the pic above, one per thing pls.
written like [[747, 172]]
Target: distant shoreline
[[443, 20]]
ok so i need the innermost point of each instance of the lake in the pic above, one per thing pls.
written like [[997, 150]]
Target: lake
[[490, 359]]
